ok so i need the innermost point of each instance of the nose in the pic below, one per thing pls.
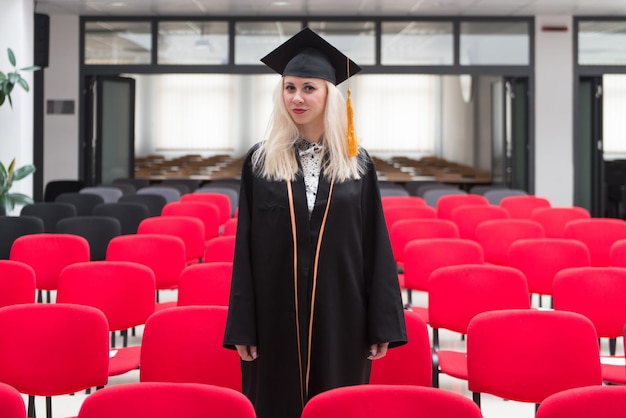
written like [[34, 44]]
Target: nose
[[297, 98]]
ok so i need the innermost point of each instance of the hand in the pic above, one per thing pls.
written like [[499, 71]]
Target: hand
[[378, 351], [247, 352]]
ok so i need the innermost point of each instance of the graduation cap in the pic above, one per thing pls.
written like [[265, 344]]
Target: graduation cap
[[306, 54]]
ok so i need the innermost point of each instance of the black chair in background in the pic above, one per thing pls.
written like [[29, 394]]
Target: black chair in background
[[154, 202], [126, 188], [137, 183], [189, 185], [84, 202], [97, 230], [13, 227], [129, 214], [3, 211], [50, 213], [56, 187]]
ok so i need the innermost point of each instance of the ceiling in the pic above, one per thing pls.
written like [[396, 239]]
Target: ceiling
[[331, 7]]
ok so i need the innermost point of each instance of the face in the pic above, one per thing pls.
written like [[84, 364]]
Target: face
[[305, 99]]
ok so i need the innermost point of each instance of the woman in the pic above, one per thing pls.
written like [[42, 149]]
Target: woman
[[315, 295]]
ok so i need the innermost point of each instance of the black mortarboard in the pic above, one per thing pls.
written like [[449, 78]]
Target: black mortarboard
[[306, 54]]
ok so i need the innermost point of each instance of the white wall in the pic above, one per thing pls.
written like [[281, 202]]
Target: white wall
[[457, 130], [16, 126], [554, 164], [61, 147]]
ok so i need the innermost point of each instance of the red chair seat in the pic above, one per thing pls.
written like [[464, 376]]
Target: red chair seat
[[121, 360], [453, 363]]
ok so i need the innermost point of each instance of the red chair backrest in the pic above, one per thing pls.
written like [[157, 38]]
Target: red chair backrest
[[617, 254], [423, 256], [467, 217], [230, 227], [598, 234], [123, 290], [406, 201], [554, 219], [184, 344], [220, 249], [404, 231], [11, 402], [446, 204], [496, 236], [408, 364], [522, 207], [17, 283], [163, 254], [208, 213], [221, 200], [590, 401], [394, 214], [165, 400], [541, 258], [205, 284], [48, 254], [187, 228]]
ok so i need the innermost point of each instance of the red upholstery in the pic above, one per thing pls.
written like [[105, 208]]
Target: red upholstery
[[189, 229], [541, 258], [520, 354], [467, 217], [496, 236], [11, 402], [208, 213], [397, 213], [406, 201], [404, 231], [598, 234], [48, 254], [165, 400], [220, 249], [446, 204], [617, 253], [554, 219], [458, 293], [409, 364], [205, 284], [124, 291], [185, 345], [522, 207], [17, 283], [221, 200], [53, 349], [230, 227], [376, 401], [163, 254], [585, 402]]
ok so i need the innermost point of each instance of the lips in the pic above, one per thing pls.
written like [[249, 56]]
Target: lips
[[298, 111]]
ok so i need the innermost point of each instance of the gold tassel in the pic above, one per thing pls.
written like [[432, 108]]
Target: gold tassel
[[353, 148]]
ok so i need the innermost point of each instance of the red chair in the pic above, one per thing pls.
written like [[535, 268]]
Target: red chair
[[409, 364], [518, 354], [522, 207], [423, 256], [17, 283], [220, 249], [124, 291], [230, 227], [48, 254], [446, 204], [404, 231], [187, 228], [617, 253], [554, 219], [458, 293], [398, 213], [597, 293], [376, 401], [405, 201], [496, 236], [11, 402], [185, 345], [208, 213], [53, 349], [585, 402], [205, 284], [163, 254], [221, 200], [467, 218], [166, 400], [541, 258], [598, 234]]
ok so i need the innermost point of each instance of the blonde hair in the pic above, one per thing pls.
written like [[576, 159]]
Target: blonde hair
[[275, 158]]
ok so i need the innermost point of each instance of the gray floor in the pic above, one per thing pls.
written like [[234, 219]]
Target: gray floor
[[492, 407]]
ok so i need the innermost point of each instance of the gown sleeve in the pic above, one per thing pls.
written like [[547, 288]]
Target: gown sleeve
[[385, 311], [241, 320]]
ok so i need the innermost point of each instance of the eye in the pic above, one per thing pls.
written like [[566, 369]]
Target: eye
[[309, 88], [289, 87]]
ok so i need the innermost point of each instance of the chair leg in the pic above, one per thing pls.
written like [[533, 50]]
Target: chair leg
[[612, 345], [476, 398], [31, 406], [48, 407]]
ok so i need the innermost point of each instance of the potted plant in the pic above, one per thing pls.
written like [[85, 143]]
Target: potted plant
[[9, 175]]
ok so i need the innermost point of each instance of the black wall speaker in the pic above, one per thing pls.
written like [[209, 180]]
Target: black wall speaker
[[42, 40]]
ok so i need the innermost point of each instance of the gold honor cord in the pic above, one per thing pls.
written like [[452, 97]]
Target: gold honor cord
[[292, 215], [295, 280]]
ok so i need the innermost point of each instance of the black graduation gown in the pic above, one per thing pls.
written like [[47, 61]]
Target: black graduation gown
[[357, 299]]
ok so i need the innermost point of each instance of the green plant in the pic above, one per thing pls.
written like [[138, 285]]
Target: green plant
[[10, 79], [7, 177]]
